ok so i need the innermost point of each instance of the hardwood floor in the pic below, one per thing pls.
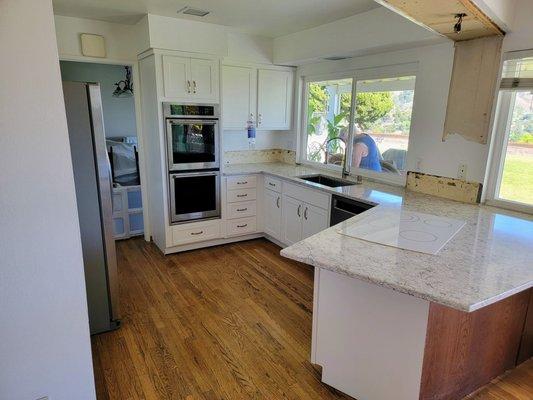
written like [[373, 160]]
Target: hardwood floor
[[228, 322]]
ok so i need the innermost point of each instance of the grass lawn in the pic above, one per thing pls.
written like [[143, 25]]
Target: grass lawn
[[517, 180]]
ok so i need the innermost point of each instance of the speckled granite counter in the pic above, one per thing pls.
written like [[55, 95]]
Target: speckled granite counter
[[490, 259]]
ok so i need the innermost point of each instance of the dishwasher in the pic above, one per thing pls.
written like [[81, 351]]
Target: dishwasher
[[343, 208]]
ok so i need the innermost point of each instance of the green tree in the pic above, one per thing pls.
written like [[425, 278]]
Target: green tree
[[318, 100], [369, 107]]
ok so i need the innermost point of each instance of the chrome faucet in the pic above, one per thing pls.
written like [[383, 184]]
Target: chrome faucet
[[345, 170]]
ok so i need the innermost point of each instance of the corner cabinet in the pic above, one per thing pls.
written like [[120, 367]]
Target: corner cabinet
[[190, 79], [265, 95]]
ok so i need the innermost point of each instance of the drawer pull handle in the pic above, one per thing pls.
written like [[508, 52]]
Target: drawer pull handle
[[242, 183], [299, 210], [272, 184], [242, 195], [242, 209], [305, 213], [242, 226], [277, 201], [197, 233]]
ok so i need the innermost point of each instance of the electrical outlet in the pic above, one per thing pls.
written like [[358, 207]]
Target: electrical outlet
[[461, 172]]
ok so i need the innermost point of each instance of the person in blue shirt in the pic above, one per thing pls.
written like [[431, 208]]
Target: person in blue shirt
[[365, 153]]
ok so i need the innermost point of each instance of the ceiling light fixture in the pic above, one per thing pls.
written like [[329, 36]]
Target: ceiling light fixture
[[458, 25]]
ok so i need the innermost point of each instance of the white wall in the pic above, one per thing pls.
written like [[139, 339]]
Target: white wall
[[356, 35], [119, 112], [434, 66], [520, 36], [123, 42], [44, 336], [192, 36], [238, 140]]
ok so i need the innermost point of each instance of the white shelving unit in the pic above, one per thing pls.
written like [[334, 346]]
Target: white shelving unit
[[127, 211]]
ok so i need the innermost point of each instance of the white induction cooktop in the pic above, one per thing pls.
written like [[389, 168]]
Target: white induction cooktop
[[408, 230]]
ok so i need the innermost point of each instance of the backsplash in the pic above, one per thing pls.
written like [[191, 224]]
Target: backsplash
[[259, 156]]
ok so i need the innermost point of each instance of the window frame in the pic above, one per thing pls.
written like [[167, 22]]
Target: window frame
[[382, 72], [500, 137]]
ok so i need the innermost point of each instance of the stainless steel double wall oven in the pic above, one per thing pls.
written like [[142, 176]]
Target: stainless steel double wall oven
[[193, 154]]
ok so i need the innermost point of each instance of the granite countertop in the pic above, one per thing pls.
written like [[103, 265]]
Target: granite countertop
[[490, 259]]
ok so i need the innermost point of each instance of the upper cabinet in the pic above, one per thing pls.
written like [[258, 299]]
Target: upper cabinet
[[190, 79], [262, 95], [239, 96], [274, 100]]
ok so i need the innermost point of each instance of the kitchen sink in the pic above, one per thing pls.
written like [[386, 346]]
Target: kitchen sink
[[327, 180]]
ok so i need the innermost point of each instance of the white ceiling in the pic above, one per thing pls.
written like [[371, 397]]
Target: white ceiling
[[271, 18]]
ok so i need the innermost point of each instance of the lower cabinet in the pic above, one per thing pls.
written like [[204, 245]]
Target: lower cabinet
[[272, 214], [301, 220]]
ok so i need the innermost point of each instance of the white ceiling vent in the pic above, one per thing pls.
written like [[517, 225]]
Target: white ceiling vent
[[335, 58], [193, 11]]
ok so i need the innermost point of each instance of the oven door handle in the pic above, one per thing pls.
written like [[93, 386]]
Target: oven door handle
[[189, 174], [188, 121]]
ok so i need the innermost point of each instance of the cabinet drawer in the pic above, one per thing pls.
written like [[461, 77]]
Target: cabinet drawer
[[310, 196], [182, 234], [241, 195], [241, 226], [241, 182], [273, 184], [242, 209]]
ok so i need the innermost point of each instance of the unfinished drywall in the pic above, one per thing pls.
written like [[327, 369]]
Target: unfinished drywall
[[45, 348], [119, 112]]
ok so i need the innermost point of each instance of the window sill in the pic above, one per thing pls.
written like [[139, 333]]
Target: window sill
[[510, 205]]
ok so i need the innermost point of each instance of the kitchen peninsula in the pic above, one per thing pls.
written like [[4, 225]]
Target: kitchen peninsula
[[393, 323]]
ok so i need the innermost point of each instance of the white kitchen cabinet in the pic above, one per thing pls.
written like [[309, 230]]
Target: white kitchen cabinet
[[265, 95], [272, 214], [291, 220], [176, 79], [239, 96], [204, 79], [300, 219], [190, 79], [274, 99], [315, 219]]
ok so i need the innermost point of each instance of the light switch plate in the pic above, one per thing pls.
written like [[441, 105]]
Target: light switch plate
[[92, 45]]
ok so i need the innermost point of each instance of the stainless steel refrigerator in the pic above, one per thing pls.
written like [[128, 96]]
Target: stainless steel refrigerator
[[92, 176]]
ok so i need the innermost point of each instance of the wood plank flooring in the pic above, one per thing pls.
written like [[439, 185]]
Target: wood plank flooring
[[228, 322]]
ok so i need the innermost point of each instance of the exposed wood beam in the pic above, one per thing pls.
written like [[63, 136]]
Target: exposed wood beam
[[439, 16]]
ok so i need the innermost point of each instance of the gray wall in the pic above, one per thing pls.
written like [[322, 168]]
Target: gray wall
[[45, 348], [119, 112]]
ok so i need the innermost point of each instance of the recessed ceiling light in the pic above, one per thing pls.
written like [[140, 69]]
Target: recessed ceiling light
[[193, 11]]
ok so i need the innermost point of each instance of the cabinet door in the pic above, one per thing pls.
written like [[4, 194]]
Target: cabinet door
[[204, 79], [274, 101], [239, 96], [315, 219], [272, 214], [176, 81], [291, 211]]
